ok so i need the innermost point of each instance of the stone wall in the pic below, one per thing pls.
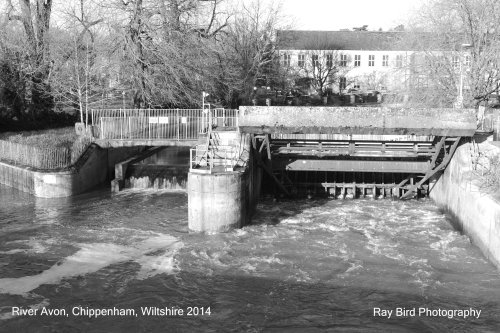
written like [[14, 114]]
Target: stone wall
[[461, 192]]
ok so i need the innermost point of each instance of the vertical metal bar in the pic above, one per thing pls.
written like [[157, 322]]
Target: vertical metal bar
[[129, 128], [120, 122], [178, 124]]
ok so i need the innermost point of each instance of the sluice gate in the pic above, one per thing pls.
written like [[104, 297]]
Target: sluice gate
[[346, 153], [337, 151]]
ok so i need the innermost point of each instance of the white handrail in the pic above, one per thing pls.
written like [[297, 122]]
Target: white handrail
[[158, 124]]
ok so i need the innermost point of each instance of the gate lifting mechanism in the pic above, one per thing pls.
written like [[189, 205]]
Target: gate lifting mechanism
[[331, 155]]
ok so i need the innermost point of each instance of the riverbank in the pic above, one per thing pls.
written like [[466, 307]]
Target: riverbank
[[462, 192], [94, 167]]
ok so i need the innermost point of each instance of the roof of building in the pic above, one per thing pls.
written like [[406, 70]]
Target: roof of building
[[343, 40]]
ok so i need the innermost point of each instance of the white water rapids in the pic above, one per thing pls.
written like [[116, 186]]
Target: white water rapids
[[305, 265]]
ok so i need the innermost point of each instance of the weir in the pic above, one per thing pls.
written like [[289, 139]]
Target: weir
[[228, 155], [354, 152], [340, 152]]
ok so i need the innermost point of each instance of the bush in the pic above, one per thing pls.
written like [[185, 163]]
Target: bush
[[53, 138]]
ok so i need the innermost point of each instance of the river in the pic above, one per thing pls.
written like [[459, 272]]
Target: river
[[302, 266]]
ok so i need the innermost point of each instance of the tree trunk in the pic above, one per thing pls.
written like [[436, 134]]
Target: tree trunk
[[140, 97], [36, 28]]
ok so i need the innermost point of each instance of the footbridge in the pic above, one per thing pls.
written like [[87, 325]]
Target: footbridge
[[157, 127]]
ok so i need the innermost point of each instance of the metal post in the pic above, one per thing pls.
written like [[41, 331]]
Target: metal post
[[121, 128], [178, 124], [209, 120], [460, 89], [129, 129], [460, 102], [190, 159]]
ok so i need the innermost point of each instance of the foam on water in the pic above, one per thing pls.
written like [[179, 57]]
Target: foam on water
[[93, 257], [30, 246], [8, 314]]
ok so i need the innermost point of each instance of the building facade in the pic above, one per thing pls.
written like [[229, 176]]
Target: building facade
[[345, 60]]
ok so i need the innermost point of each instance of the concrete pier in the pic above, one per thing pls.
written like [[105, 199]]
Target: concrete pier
[[217, 202], [220, 200]]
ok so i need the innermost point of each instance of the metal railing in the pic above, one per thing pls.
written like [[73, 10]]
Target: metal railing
[[224, 118], [49, 158], [40, 158], [220, 158], [154, 124]]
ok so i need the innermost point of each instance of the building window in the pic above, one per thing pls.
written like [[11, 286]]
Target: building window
[[329, 60], [357, 60], [455, 61], [287, 59], [467, 60], [385, 60], [399, 61], [342, 83], [371, 60], [315, 60], [343, 60], [302, 60]]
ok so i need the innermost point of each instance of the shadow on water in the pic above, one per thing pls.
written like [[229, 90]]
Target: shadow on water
[[213, 271], [246, 304], [271, 211], [453, 219]]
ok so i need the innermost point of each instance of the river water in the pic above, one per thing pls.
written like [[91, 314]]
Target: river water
[[302, 266]]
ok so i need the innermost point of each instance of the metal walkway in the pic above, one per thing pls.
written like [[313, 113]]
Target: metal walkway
[[157, 127]]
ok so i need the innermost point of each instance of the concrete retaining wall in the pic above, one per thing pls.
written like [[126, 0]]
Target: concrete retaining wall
[[93, 168], [461, 192]]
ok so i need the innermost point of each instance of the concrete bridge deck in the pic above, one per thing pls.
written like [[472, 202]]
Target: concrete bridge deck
[[357, 120], [125, 128]]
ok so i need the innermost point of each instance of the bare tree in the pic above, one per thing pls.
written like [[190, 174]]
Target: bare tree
[[324, 67], [250, 45], [457, 51], [79, 59], [169, 52], [13, 78], [34, 16]]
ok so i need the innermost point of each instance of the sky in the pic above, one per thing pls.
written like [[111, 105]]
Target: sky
[[346, 14]]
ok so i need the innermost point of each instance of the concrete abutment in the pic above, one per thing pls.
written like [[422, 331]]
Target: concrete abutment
[[461, 191], [94, 167]]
